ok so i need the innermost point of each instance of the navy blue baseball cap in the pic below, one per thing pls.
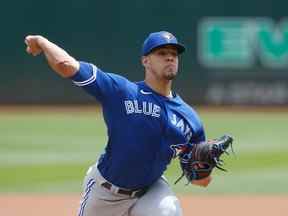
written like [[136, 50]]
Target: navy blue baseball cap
[[158, 39]]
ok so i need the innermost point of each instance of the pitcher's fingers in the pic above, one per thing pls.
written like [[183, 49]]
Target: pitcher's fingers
[[27, 39], [28, 50]]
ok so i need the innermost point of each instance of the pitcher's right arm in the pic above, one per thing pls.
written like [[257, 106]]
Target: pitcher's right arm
[[58, 59]]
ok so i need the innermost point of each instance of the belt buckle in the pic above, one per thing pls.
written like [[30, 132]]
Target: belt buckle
[[139, 193], [133, 194]]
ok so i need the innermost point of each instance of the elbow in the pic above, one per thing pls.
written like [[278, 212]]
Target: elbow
[[67, 68]]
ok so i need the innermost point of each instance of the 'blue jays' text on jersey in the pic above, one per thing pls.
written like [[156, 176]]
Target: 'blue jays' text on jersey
[[142, 127]]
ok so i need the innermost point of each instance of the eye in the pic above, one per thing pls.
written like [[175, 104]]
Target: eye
[[163, 52], [173, 53]]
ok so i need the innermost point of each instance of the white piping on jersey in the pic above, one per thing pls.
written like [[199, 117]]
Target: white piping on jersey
[[90, 80]]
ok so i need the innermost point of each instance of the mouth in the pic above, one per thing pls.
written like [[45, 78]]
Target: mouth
[[170, 71], [170, 66]]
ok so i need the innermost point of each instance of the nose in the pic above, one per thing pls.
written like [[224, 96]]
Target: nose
[[170, 57]]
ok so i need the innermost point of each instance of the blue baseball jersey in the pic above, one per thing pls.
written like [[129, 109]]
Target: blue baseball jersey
[[143, 127]]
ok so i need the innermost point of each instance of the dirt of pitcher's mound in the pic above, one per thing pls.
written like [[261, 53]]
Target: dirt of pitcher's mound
[[62, 205]]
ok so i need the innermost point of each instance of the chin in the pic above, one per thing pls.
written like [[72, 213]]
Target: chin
[[171, 76]]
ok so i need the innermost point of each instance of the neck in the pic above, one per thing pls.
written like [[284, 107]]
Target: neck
[[163, 87]]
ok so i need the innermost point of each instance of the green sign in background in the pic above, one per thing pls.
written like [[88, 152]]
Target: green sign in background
[[240, 42]]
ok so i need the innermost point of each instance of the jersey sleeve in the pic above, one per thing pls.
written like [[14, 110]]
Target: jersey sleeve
[[101, 85], [199, 136]]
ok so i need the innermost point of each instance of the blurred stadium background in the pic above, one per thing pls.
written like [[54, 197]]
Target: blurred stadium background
[[235, 72]]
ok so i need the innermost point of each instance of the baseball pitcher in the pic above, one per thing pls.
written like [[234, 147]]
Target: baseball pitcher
[[148, 125]]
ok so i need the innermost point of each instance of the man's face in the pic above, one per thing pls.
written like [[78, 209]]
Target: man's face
[[162, 62]]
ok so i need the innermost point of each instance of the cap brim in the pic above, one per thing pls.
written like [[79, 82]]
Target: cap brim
[[180, 48]]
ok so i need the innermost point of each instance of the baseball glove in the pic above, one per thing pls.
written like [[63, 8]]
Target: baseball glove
[[197, 161]]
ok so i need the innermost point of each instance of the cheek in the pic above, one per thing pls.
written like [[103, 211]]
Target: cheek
[[156, 64]]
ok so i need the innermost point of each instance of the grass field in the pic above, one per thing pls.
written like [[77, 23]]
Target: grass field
[[49, 151]]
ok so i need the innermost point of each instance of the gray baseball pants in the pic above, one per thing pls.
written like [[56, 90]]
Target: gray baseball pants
[[159, 200]]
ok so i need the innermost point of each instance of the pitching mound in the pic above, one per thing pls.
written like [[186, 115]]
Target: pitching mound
[[66, 205]]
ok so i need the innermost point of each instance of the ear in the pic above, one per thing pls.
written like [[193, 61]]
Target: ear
[[144, 61]]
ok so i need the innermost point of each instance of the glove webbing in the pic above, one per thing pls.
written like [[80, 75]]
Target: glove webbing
[[206, 154]]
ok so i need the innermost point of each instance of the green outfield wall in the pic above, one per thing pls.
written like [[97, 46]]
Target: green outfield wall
[[237, 51]]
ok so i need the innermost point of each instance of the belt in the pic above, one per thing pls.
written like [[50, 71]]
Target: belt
[[131, 193]]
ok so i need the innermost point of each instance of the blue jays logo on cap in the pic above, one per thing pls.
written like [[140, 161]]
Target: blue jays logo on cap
[[168, 36], [158, 39]]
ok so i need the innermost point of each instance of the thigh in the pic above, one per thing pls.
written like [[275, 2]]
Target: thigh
[[98, 201], [158, 201]]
